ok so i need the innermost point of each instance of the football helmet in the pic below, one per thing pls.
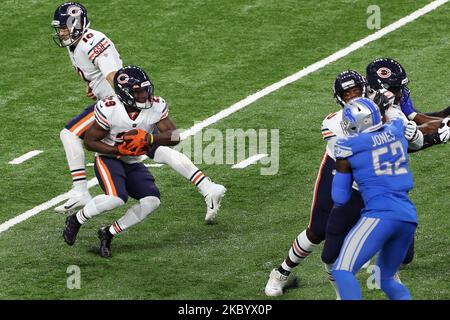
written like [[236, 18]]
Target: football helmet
[[70, 16], [361, 115], [385, 73], [347, 80], [134, 87]]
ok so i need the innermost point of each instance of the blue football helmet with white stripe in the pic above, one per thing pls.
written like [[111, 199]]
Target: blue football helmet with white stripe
[[361, 115], [70, 22]]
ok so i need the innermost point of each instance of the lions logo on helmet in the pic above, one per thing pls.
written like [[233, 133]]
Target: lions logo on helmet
[[70, 22], [361, 115]]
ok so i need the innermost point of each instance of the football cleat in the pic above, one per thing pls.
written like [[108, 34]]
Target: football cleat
[[276, 284], [105, 242], [77, 200], [71, 230], [213, 199]]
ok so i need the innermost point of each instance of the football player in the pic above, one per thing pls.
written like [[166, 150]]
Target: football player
[[375, 156], [95, 58], [327, 222], [389, 74], [118, 161]]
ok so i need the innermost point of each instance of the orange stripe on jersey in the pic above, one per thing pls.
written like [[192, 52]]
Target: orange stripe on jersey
[[82, 121], [164, 115], [83, 130], [106, 178], [99, 50]]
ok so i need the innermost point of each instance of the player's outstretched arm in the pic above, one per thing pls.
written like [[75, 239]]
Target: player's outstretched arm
[[93, 137], [342, 182], [168, 134]]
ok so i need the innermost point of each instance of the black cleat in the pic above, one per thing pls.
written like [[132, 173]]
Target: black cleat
[[71, 230], [105, 242]]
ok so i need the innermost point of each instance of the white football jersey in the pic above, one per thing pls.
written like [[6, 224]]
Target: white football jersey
[[94, 57], [332, 131], [111, 115]]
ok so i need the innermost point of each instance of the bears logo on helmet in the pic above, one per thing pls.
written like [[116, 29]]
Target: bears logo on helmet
[[70, 22]]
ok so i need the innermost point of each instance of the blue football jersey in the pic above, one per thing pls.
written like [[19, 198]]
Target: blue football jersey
[[379, 162]]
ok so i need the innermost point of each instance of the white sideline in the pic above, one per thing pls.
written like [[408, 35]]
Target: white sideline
[[245, 163], [258, 95], [25, 157]]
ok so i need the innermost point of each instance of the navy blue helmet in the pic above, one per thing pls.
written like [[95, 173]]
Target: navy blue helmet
[[73, 16], [134, 87], [388, 74], [347, 80]]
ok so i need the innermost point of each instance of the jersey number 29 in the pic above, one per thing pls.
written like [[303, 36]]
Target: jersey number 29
[[385, 167]]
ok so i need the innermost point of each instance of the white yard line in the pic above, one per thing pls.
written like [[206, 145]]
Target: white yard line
[[258, 95], [25, 157], [42, 207], [313, 67], [245, 163]]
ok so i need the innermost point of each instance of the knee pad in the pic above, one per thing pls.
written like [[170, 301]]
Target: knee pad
[[147, 206], [65, 134], [106, 202]]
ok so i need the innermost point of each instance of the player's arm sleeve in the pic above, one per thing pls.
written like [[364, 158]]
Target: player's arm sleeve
[[102, 115], [341, 188], [104, 55], [164, 108], [408, 108], [327, 134]]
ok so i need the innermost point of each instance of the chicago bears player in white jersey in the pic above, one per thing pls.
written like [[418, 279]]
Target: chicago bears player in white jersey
[[118, 166], [348, 85], [96, 59]]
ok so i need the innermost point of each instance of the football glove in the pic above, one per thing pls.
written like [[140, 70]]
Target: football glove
[[136, 142], [444, 130], [384, 99], [411, 131]]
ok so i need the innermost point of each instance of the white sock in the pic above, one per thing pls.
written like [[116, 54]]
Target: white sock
[[301, 248], [328, 269], [135, 214], [73, 146], [97, 205], [184, 166]]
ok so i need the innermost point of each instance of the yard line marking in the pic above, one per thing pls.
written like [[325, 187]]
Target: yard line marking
[[245, 163], [25, 157], [302, 73], [44, 206], [313, 67], [148, 165]]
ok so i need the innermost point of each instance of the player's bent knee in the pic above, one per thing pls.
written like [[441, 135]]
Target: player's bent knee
[[65, 134], [148, 205], [111, 202], [312, 237]]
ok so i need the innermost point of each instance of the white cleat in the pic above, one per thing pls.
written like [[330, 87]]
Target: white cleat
[[212, 199], [276, 283], [77, 200]]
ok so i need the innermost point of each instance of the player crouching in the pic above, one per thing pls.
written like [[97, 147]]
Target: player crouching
[[120, 136]]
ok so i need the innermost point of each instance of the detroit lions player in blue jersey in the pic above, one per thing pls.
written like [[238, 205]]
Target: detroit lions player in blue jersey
[[375, 156]]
